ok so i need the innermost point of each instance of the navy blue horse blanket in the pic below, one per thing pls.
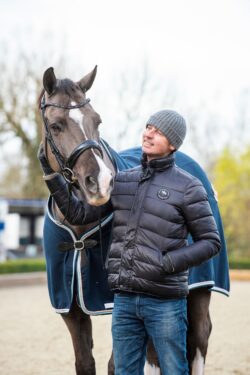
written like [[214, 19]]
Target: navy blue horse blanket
[[68, 274]]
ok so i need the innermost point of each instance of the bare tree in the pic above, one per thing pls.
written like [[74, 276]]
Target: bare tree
[[242, 119], [210, 132], [20, 119], [138, 92], [203, 134]]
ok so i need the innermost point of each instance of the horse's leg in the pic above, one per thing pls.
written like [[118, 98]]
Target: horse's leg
[[152, 364], [80, 328], [199, 329], [111, 366]]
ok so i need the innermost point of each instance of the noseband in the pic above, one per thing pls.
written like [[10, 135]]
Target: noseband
[[68, 164]]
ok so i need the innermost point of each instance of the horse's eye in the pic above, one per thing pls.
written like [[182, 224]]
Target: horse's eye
[[56, 128]]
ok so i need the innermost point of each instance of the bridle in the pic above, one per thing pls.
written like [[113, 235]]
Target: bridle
[[66, 165]]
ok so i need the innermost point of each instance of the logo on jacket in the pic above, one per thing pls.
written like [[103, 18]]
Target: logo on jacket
[[163, 193]]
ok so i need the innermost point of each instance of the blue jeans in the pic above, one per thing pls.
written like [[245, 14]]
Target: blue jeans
[[137, 317]]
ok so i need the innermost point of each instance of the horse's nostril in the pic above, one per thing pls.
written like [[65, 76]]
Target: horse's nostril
[[112, 183], [91, 184]]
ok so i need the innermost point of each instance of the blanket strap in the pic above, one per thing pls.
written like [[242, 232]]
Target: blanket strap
[[77, 245]]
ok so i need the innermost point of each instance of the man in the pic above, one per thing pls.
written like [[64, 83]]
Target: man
[[155, 206]]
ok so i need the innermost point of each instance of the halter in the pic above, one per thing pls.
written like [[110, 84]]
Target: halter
[[67, 165]]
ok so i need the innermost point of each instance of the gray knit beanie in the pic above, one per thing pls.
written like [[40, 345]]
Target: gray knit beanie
[[172, 125]]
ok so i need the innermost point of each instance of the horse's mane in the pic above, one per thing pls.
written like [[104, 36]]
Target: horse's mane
[[40, 98]]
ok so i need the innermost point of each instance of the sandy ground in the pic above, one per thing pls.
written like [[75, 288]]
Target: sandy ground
[[35, 341]]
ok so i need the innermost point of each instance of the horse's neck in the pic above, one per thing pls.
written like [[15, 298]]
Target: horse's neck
[[80, 229]]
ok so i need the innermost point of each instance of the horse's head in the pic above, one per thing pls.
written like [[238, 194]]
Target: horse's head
[[71, 136]]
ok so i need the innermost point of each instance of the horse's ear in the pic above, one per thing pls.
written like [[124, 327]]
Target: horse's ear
[[49, 81], [86, 82]]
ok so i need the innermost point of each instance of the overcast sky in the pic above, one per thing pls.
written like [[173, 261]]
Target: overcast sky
[[202, 45], [206, 39]]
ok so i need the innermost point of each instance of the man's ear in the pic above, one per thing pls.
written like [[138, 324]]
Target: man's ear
[[172, 148]]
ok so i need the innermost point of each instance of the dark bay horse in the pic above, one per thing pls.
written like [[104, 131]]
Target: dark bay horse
[[74, 149]]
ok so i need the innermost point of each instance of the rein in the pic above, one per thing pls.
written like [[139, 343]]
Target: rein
[[66, 165]]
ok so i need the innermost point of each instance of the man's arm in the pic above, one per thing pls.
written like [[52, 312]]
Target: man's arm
[[202, 227], [76, 211]]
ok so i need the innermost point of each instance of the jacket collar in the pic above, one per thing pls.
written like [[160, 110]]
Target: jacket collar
[[158, 164]]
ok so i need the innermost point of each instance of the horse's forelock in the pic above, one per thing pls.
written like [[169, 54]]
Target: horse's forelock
[[63, 86], [66, 86]]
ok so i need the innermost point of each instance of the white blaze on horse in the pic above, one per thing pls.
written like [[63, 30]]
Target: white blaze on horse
[[73, 148]]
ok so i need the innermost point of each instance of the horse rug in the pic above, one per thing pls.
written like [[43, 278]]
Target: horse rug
[[84, 273]]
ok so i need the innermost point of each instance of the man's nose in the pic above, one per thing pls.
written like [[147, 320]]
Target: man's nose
[[149, 132]]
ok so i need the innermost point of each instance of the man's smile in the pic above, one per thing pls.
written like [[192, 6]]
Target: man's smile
[[147, 143]]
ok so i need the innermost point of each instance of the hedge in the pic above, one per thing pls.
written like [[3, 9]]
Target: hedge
[[23, 265], [239, 263], [38, 265]]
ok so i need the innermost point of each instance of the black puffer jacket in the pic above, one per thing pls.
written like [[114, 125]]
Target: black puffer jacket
[[155, 207]]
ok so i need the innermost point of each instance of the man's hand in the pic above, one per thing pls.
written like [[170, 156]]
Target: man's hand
[[43, 161], [167, 264]]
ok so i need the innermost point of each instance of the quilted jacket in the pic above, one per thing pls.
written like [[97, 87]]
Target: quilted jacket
[[155, 206]]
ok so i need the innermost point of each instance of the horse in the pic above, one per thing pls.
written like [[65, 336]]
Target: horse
[[73, 147]]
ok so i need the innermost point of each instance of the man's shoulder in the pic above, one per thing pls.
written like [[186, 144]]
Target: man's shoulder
[[128, 174], [185, 177]]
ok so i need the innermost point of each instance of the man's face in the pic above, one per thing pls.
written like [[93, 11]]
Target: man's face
[[154, 143]]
